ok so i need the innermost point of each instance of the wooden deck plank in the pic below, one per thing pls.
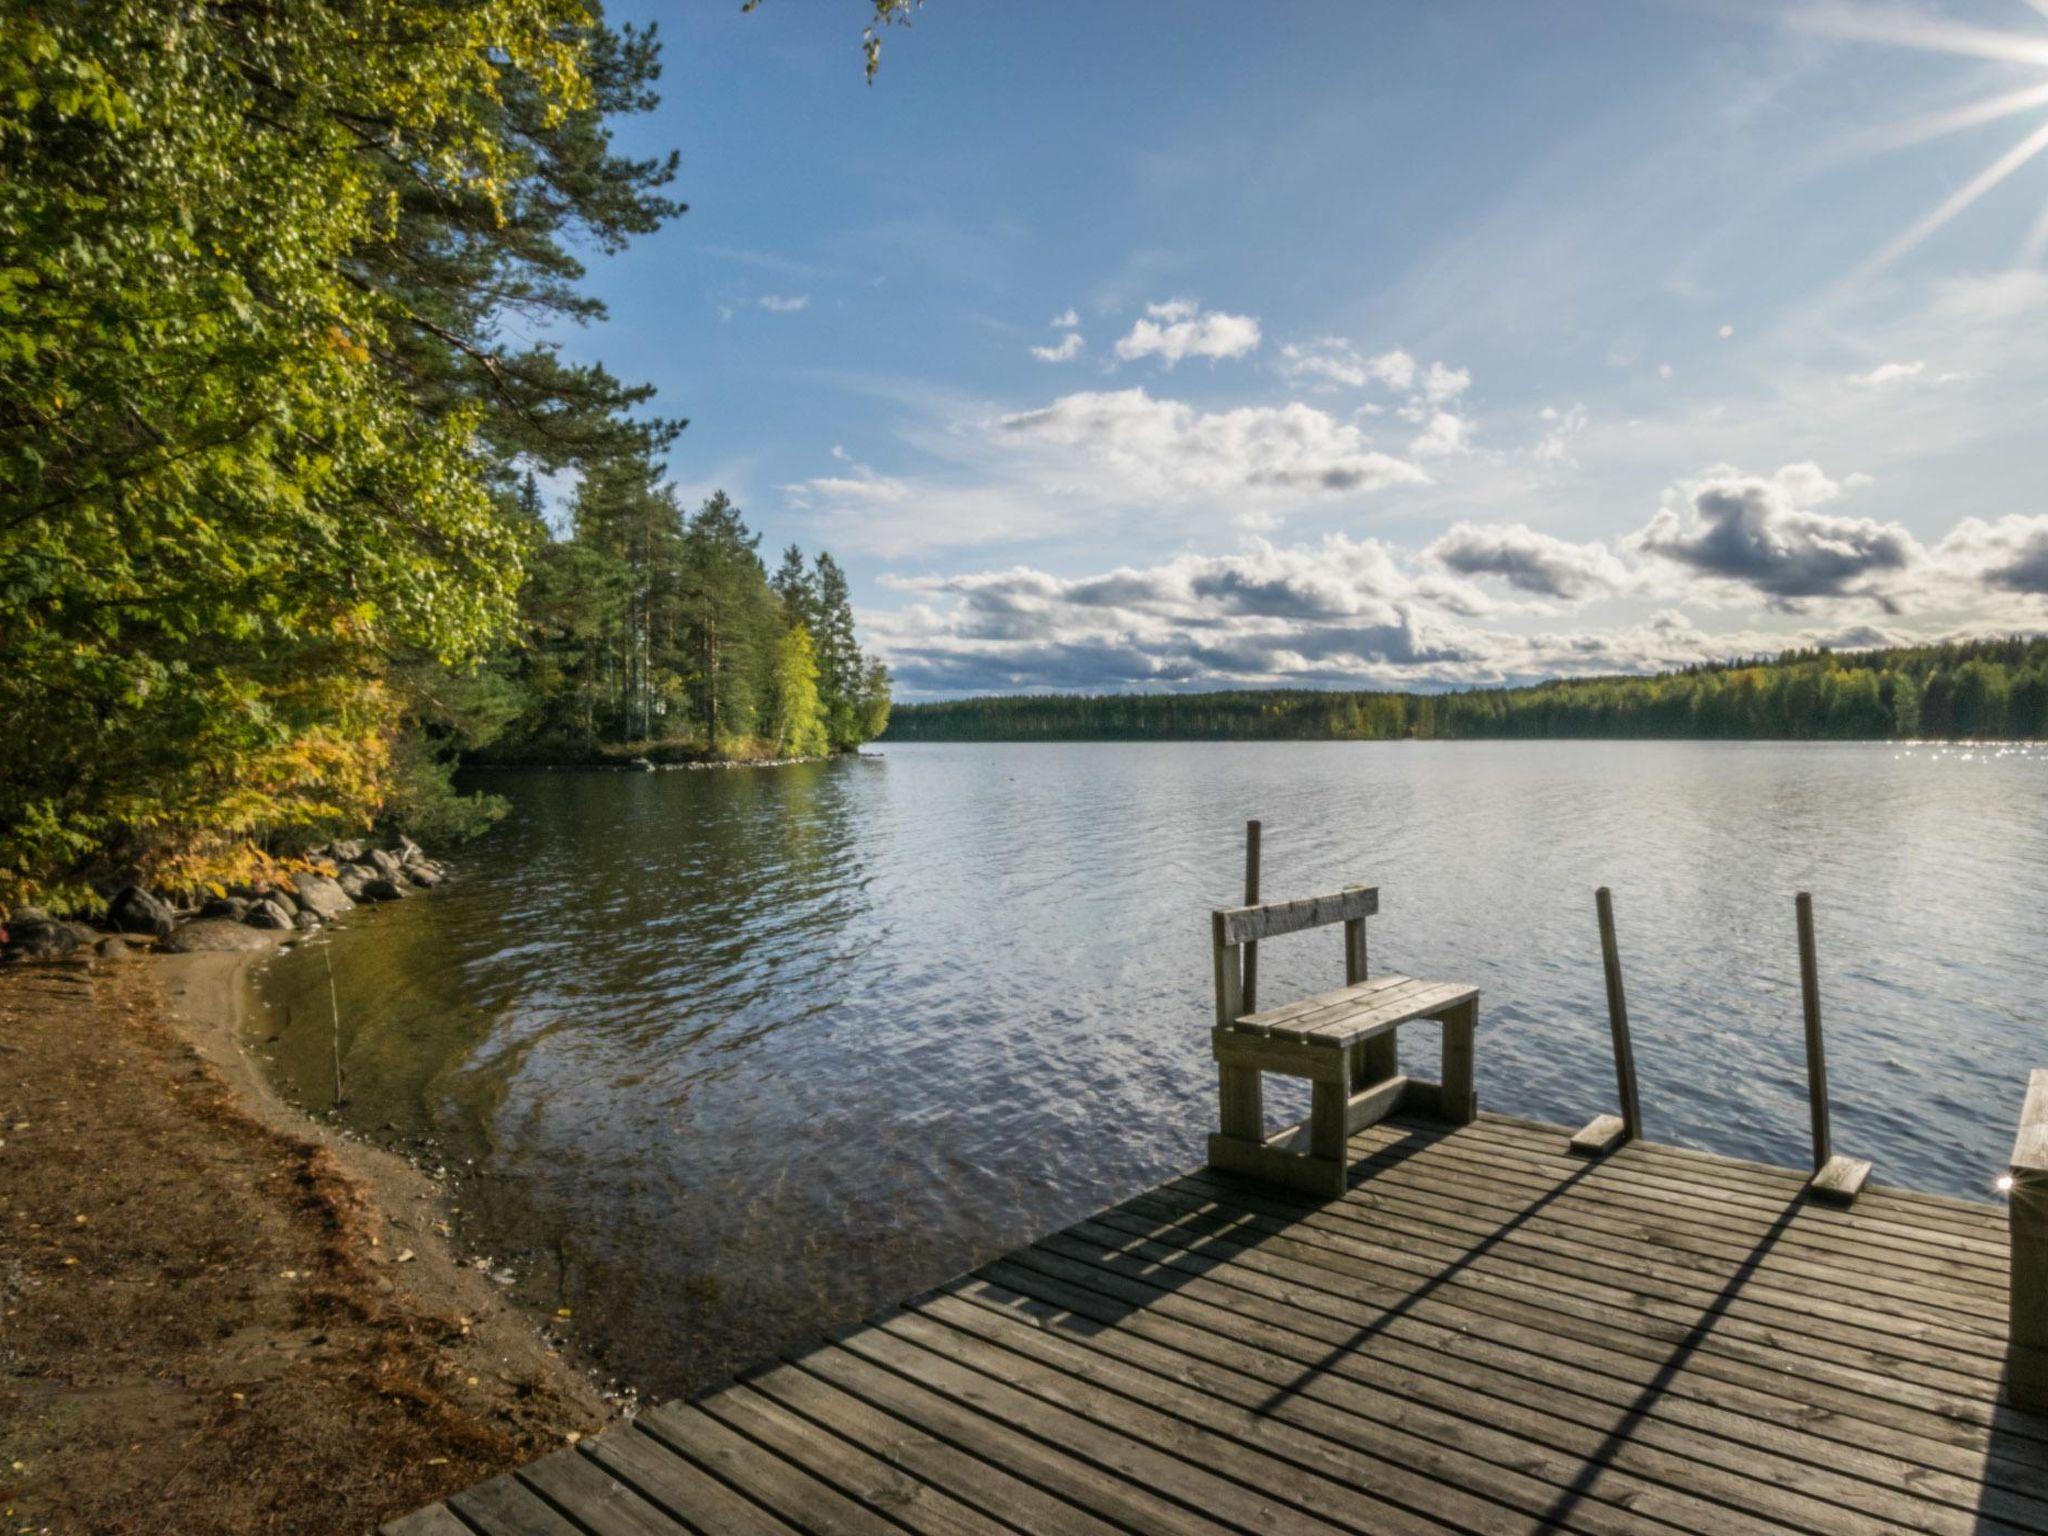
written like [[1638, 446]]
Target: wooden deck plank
[[1481, 1334], [678, 1487], [596, 1500]]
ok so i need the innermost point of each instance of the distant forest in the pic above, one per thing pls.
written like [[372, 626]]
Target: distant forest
[[1992, 689]]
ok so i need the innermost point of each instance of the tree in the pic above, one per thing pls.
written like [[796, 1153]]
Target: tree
[[731, 616], [799, 725], [874, 701], [839, 659]]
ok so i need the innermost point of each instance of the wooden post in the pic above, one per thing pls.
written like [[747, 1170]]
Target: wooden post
[[1251, 899], [1839, 1179], [1603, 1133], [2026, 1188]]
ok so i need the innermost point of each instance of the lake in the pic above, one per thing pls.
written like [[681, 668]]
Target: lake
[[728, 1058]]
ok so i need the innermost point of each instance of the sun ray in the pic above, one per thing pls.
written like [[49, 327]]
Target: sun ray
[[2036, 244], [1939, 124], [1960, 199], [1924, 32]]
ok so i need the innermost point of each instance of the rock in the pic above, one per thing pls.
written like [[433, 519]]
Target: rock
[[322, 897], [45, 939], [423, 874], [380, 861], [231, 908], [27, 915], [408, 851], [305, 919], [641, 765], [268, 914], [345, 852], [208, 934], [113, 949], [352, 879], [383, 888], [134, 910]]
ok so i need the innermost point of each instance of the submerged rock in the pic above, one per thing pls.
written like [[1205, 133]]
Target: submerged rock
[[134, 910], [384, 888], [423, 873], [208, 934]]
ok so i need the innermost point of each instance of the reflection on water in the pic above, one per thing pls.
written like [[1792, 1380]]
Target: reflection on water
[[742, 1056]]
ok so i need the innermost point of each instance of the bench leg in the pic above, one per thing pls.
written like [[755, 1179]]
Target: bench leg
[[1377, 1060], [1328, 1122], [1243, 1105], [1460, 1103]]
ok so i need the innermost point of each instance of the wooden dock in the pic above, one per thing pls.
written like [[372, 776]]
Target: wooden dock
[[1481, 1334]]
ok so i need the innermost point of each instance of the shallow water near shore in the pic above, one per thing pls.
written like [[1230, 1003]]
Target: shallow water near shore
[[735, 1057]]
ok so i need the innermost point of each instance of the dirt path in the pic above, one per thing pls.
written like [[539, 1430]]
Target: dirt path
[[215, 1315]]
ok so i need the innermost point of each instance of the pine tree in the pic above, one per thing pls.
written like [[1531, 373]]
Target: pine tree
[[799, 725], [732, 618], [839, 660]]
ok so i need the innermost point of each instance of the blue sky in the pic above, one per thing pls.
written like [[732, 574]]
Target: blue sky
[[1158, 345]]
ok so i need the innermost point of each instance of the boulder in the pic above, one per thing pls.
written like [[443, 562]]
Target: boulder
[[45, 938], [230, 908], [134, 910], [345, 852], [268, 914], [423, 873], [303, 918], [111, 948], [213, 933], [323, 897], [352, 878], [384, 888], [379, 862]]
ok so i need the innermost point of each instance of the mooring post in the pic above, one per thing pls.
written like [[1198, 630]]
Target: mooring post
[[2026, 1190], [1839, 1179], [1251, 899], [1603, 1133]]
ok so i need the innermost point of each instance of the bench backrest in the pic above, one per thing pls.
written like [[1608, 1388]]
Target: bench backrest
[[1235, 928]]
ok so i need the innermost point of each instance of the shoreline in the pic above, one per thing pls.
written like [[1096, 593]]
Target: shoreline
[[211, 1290]]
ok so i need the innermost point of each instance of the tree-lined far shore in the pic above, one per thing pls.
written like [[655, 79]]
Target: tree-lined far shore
[[1974, 690]]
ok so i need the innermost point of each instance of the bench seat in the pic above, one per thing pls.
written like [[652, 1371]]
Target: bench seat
[[1356, 1013]]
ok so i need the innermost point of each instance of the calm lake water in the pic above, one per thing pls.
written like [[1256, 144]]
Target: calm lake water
[[735, 1057]]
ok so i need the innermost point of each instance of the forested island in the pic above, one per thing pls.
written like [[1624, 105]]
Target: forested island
[[1990, 689]]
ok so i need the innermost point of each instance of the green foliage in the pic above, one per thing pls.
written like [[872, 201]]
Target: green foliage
[[652, 631], [1995, 689], [799, 724], [254, 397]]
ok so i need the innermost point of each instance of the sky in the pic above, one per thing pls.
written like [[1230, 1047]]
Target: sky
[[1184, 345]]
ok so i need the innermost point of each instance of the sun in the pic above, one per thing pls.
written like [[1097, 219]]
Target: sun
[[1936, 35]]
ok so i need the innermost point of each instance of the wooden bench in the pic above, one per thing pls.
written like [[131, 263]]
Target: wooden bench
[[1343, 1042]]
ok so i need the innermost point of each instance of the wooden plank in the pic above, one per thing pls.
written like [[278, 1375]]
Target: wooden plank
[[1251, 899], [1090, 1481], [1322, 1001], [1617, 1020], [502, 1507], [1371, 1105], [790, 1491], [1229, 977], [1278, 1164], [886, 1490], [967, 1478], [1269, 1053], [596, 1500], [2030, 1145], [1840, 1181], [434, 1520], [1598, 1136], [1460, 1101], [1434, 1001], [1243, 925], [679, 1487]]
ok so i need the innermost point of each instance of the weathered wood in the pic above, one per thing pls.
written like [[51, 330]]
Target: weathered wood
[[1268, 1053], [1251, 899], [2026, 1365], [1282, 1164], [1242, 1100], [1229, 977], [1617, 1019], [1373, 1103], [1460, 1097], [434, 1520], [1246, 924], [1840, 1181], [1816, 1050], [603, 1504], [676, 1486], [1598, 1136], [502, 1507]]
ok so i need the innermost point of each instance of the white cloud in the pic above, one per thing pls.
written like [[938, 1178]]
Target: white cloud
[[1888, 373], [1065, 350], [1555, 446], [1445, 434], [784, 304], [1725, 332], [1442, 384], [1333, 362], [1179, 329], [1066, 319], [2009, 555], [1166, 450]]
